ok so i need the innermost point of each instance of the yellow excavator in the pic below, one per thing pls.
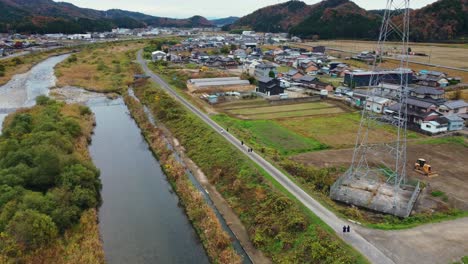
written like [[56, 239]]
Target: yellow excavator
[[422, 167]]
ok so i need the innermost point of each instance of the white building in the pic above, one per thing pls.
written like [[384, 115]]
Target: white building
[[436, 126], [377, 104], [158, 55]]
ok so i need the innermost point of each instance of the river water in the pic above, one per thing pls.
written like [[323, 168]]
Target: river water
[[140, 219], [22, 89]]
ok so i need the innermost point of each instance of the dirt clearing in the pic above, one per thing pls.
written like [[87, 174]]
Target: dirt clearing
[[448, 160]]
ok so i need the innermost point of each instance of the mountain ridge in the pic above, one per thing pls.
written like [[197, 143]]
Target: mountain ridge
[[47, 16], [444, 20]]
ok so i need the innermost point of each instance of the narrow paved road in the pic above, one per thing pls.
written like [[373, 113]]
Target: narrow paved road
[[353, 238]]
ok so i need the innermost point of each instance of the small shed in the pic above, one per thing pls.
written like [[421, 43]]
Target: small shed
[[213, 99]]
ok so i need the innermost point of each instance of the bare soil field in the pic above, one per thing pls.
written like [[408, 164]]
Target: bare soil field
[[448, 160], [439, 243], [260, 109]]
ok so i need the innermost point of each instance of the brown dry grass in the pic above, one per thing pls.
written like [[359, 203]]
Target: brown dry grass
[[100, 68], [451, 95], [81, 244]]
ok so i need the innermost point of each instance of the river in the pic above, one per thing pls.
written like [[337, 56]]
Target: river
[[140, 220], [22, 89]]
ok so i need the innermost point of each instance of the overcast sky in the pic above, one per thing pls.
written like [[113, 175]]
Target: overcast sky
[[208, 8]]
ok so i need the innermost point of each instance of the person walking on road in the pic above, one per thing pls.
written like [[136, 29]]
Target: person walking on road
[[344, 229], [348, 229]]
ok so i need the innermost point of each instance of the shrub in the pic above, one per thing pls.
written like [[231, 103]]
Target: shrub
[[17, 61], [72, 58], [31, 229], [44, 184], [437, 193], [84, 110], [42, 100]]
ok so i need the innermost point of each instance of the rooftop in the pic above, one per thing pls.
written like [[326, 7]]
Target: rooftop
[[427, 90], [456, 104], [265, 79]]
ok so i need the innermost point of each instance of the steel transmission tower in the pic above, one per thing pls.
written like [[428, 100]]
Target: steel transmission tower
[[390, 172]]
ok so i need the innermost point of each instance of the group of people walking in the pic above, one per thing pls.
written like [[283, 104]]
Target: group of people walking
[[346, 229]]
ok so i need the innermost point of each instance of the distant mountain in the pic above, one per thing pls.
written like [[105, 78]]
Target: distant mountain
[[338, 19], [275, 18], [224, 21], [47, 16], [443, 20]]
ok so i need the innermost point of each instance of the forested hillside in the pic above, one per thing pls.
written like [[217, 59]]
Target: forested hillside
[[444, 20]]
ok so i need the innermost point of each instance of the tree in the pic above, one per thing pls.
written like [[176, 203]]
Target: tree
[[31, 229], [233, 47], [272, 74], [225, 50]]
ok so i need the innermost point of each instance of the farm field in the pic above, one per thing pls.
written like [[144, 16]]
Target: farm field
[[453, 55], [269, 135], [262, 110]]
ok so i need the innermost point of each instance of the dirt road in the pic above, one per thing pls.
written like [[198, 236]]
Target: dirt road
[[439, 243]]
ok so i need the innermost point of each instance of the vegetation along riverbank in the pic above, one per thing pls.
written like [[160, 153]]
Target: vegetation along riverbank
[[49, 188]]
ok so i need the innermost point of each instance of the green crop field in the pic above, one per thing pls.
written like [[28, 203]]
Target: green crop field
[[267, 133]]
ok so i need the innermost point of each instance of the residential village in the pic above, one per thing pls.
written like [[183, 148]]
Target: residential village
[[276, 70]]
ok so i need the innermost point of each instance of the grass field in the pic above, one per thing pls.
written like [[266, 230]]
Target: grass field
[[262, 110], [337, 131], [101, 68], [268, 134]]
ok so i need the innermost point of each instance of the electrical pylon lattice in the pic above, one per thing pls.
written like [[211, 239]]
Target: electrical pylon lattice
[[377, 178]]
